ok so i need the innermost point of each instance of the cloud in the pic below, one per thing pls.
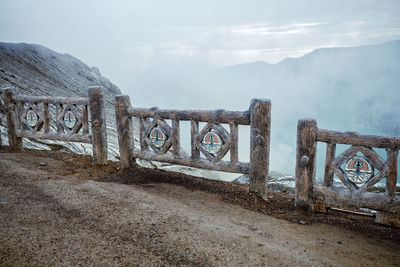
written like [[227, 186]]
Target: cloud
[[265, 30]]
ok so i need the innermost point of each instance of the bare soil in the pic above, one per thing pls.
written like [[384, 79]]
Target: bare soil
[[58, 209]]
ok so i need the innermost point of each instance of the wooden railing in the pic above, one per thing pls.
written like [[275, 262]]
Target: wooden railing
[[358, 173], [30, 117], [157, 137]]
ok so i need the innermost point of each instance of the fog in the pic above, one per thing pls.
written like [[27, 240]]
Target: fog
[[174, 54]]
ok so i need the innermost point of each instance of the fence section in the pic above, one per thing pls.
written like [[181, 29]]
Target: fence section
[[30, 117], [157, 137], [358, 168]]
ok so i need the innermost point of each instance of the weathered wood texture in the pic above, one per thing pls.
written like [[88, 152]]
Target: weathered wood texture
[[216, 116], [234, 143], [99, 129], [51, 100], [260, 128], [85, 120], [330, 156], [305, 162], [199, 163], [392, 177], [142, 127], [124, 129], [12, 120], [387, 218], [194, 131], [46, 117], [175, 138], [355, 139], [341, 197]]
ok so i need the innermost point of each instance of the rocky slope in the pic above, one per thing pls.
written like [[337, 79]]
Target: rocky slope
[[36, 70]]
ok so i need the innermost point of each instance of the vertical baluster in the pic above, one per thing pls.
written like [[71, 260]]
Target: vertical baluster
[[142, 126], [234, 143], [194, 131], [175, 137], [46, 117], [391, 179], [330, 156], [59, 119], [85, 119]]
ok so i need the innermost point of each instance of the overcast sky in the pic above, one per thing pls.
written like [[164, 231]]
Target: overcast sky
[[122, 36]]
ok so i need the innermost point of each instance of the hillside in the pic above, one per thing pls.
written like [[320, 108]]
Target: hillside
[[36, 70]]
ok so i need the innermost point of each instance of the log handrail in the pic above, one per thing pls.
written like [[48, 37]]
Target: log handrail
[[219, 116], [356, 139]]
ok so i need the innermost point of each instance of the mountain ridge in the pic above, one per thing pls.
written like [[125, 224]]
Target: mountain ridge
[[313, 52]]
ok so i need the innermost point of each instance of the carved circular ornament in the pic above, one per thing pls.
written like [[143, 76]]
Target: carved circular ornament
[[70, 119], [358, 170], [157, 137], [212, 142], [31, 118]]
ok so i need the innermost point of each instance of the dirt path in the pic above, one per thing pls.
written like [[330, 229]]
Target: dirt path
[[55, 209]]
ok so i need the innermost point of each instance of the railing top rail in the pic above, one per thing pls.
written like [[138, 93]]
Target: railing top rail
[[51, 100], [356, 139], [220, 116]]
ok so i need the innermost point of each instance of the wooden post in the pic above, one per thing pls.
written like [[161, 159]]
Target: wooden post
[[330, 156], [391, 179], [99, 128], [124, 129], [260, 128], [175, 137], [305, 162], [14, 141]]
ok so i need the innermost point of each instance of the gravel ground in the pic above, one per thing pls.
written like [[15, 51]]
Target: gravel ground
[[57, 209]]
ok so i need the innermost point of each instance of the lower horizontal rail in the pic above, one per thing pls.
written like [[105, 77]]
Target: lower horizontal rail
[[343, 197], [84, 138], [352, 212], [240, 167]]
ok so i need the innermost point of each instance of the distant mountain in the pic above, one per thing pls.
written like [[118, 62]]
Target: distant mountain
[[351, 87], [36, 70]]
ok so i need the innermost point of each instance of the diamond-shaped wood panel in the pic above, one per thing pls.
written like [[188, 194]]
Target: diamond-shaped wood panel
[[157, 136], [359, 172], [213, 141]]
